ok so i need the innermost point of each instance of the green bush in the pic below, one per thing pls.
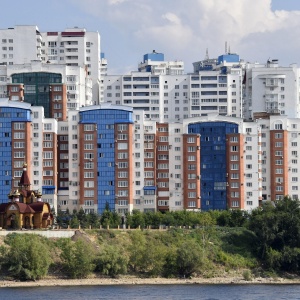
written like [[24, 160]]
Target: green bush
[[247, 275], [111, 261], [189, 258], [77, 258], [28, 257], [136, 250]]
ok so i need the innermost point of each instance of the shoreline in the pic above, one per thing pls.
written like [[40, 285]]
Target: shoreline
[[51, 282]]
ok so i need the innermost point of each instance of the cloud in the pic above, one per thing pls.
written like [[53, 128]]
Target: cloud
[[172, 18], [115, 2], [184, 29]]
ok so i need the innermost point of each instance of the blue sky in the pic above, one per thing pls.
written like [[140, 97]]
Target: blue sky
[[181, 29]]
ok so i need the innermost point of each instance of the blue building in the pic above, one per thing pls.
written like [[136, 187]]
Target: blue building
[[112, 136], [213, 168], [14, 121]]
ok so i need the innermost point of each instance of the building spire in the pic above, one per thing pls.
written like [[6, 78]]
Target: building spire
[[24, 181]]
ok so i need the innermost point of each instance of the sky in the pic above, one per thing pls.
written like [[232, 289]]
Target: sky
[[257, 30]]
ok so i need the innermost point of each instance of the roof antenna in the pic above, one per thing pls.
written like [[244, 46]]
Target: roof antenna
[[226, 47], [206, 55], [229, 49]]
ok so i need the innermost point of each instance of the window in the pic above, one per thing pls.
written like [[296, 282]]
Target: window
[[48, 155], [234, 184], [235, 194], [234, 176], [122, 155], [19, 126], [47, 126], [234, 166], [88, 174], [123, 183], [122, 193], [88, 193], [234, 204], [19, 135], [192, 185], [123, 174], [234, 157], [88, 137], [192, 204], [122, 146], [122, 165], [163, 139]]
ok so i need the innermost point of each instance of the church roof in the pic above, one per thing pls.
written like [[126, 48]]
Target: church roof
[[26, 193], [24, 181], [37, 206], [24, 208]]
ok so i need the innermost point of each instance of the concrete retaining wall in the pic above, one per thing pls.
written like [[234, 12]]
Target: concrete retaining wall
[[46, 233]]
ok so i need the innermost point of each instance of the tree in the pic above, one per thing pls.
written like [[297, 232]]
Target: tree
[[189, 258], [109, 218], [77, 258], [28, 257], [74, 222], [82, 218], [63, 218], [277, 229], [111, 261], [93, 220], [154, 257], [136, 250], [137, 219]]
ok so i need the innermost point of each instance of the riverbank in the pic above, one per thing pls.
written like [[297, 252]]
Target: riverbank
[[128, 280]]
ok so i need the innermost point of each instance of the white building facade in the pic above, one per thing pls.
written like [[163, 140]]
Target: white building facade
[[271, 89], [74, 47]]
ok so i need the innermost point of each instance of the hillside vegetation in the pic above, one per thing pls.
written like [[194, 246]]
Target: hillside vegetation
[[211, 244]]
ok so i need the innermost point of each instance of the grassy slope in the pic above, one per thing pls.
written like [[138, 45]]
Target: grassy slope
[[223, 251]]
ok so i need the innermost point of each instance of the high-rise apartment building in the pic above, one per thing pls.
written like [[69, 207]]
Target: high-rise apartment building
[[170, 98], [271, 89], [74, 47], [20, 44], [155, 63], [225, 136], [56, 87]]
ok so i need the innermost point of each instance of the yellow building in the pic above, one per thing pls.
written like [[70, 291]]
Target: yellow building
[[25, 208]]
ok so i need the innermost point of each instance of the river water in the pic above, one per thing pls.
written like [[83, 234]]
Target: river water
[[165, 292]]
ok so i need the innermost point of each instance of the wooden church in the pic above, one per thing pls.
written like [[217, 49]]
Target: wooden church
[[25, 208]]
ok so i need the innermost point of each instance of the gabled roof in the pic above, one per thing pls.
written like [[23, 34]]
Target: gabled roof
[[37, 206], [24, 208]]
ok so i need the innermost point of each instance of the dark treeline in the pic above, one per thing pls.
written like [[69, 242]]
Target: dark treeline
[[265, 241], [154, 220]]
